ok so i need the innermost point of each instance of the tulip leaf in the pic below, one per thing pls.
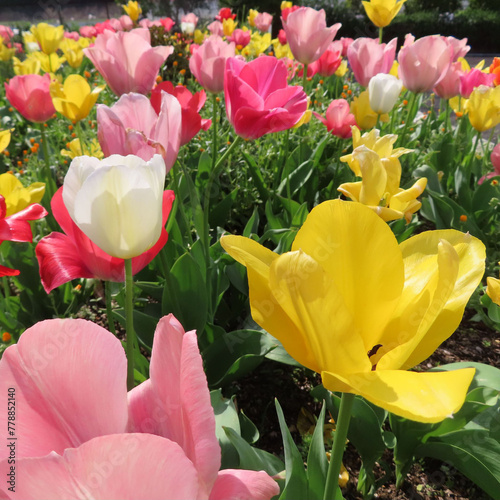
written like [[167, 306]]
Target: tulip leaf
[[220, 213], [317, 463], [257, 178], [252, 226], [430, 174], [204, 169], [144, 325], [483, 196], [296, 485], [249, 431], [296, 179]]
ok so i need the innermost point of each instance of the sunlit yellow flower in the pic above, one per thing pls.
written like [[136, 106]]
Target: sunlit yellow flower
[[73, 52], [30, 66], [306, 118], [30, 42], [493, 289], [458, 104], [228, 26], [365, 116], [342, 69], [6, 54], [252, 14], [49, 63], [17, 197], [4, 139], [382, 12], [49, 37], [379, 186], [483, 108], [90, 149], [281, 51], [133, 10], [286, 5], [198, 37], [466, 66], [75, 98], [258, 44], [351, 304]]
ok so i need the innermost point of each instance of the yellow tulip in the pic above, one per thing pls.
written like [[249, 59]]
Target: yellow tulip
[[133, 10], [73, 52], [342, 69], [48, 62], [75, 149], [30, 66], [483, 108], [493, 289], [198, 37], [379, 188], [365, 116], [75, 98], [228, 26], [382, 12], [6, 54], [351, 304], [281, 51], [286, 5], [258, 44], [5, 139], [252, 14], [49, 37], [17, 197]]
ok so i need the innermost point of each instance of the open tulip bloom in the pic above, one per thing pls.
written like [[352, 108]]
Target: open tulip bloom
[[82, 432]]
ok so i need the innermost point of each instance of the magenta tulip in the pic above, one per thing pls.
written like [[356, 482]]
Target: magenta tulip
[[367, 58], [307, 34], [258, 98], [63, 257], [474, 78], [30, 95], [339, 119], [132, 126], [127, 61], [209, 61], [424, 63]]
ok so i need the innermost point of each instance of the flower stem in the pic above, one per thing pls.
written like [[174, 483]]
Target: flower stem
[[109, 309], [79, 133], [408, 117], [214, 130], [49, 181], [380, 33], [332, 478], [468, 170], [129, 322]]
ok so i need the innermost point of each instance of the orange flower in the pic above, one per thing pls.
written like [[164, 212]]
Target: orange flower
[[495, 69]]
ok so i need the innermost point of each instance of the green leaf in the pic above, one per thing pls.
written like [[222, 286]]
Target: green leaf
[[252, 226], [317, 463], [297, 178], [249, 431], [220, 213], [144, 325], [257, 178], [204, 169]]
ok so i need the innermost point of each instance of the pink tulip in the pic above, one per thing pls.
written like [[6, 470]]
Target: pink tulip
[[472, 79], [339, 118], [127, 61], [449, 86], [216, 28], [191, 105], [115, 24], [424, 63], [307, 34], [104, 26], [367, 58], [258, 98], [167, 23], [6, 34], [329, 62], [72, 34], [63, 257], [495, 161], [30, 95], [263, 21], [460, 47], [132, 126], [225, 13], [88, 31], [346, 43], [126, 23], [70, 380], [190, 18], [288, 10], [209, 61], [240, 38], [282, 37]]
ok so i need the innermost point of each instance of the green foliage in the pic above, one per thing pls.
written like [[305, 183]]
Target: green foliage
[[412, 6]]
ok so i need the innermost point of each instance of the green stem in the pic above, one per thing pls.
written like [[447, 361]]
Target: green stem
[[214, 130], [468, 169], [304, 78], [447, 115], [332, 478], [49, 181], [109, 309], [129, 322], [408, 117], [380, 33], [79, 133]]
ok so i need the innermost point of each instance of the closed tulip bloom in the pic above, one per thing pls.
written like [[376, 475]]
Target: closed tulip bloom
[[117, 202], [241, 38], [329, 62], [449, 86], [30, 95], [258, 98], [132, 127], [424, 63], [367, 58], [127, 61], [215, 28], [383, 91], [339, 119], [392, 305], [208, 63], [30, 66], [6, 33], [75, 98], [263, 21], [48, 37], [133, 10], [228, 26], [483, 108], [495, 70], [474, 78], [382, 12], [307, 34], [365, 116], [73, 52]]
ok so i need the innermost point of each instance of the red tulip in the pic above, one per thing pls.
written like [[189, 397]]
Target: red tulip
[[225, 13], [64, 257], [258, 98], [329, 62], [339, 119], [191, 104], [30, 95]]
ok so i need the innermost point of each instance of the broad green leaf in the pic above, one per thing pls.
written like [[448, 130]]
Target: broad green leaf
[[317, 463], [249, 431]]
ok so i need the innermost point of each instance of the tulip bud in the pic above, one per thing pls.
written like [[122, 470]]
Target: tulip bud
[[384, 90]]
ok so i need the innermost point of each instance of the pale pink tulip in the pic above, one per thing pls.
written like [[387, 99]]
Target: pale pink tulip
[[367, 58], [72, 34], [263, 21], [216, 28], [190, 18], [449, 86], [424, 63], [495, 161], [70, 381], [126, 23], [88, 31], [472, 79], [208, 63], [6, 33], [127, 61], [115, 24], [460, 47], [132, 126], [346, 43], [307, 34], [258, 98], [339, 118]]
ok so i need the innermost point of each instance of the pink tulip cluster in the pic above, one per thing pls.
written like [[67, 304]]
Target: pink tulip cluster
[[81, 431]]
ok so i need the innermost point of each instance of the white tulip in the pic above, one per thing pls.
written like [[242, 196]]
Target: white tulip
[[383, 91], [117, 202], [188, 28]]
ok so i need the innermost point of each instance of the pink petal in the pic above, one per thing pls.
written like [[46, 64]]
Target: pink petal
[[234, 484]]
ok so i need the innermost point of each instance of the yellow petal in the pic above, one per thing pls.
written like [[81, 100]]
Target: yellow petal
[[266, 311], [361, 255], [402, 200], [350, 189], [4, 139], [424, 397], [374, 176], [493, 289]]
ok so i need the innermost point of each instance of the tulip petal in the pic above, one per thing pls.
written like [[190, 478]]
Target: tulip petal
[[50, 360], [424, 397], [247, 484], [361, 255], [122, 466]]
